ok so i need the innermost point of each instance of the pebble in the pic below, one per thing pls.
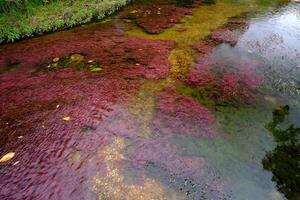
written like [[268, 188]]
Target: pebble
[[56, 59]]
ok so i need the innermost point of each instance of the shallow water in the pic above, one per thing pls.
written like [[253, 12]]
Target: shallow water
[[194, 112]]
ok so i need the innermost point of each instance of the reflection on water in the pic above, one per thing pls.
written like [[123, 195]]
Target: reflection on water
[[284, 160], [186, 118], [276, 39]]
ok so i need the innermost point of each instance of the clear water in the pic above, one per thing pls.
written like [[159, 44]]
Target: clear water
[[164, 139]]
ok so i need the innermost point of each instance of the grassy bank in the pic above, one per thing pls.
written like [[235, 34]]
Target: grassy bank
[[24, 18]]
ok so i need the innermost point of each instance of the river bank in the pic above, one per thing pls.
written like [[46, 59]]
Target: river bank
[[36, 19]]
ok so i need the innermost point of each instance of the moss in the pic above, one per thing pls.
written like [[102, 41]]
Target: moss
[[202, 94], [181, 60]]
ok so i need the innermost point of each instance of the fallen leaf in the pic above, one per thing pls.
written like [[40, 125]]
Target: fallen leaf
[[67, 118], [97, 69], [16, 163], [7, 157]]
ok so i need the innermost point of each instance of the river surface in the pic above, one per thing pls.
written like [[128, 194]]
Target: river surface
[[156, 102]]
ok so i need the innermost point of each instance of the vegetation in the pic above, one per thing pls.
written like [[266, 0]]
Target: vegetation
[[25, 18]]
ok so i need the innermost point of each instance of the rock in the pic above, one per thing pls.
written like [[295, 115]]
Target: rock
[[56, 59], [77, 58], [270, 99]]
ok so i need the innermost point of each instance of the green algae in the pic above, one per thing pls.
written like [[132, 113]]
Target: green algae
[[201, 94]]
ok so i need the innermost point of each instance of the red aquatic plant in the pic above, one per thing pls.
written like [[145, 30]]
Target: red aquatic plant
[[178, 114], [156, 16], [205, 47], [58, 112], [231, 85], [231, 32], [108, 47], [233, 91], [231, 79]]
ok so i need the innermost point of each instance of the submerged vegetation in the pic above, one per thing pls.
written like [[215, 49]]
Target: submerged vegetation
[[23, 18]]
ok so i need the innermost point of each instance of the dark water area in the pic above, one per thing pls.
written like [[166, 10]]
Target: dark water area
[[163, 100]]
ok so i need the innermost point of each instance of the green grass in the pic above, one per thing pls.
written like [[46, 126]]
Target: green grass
[[23, 18]]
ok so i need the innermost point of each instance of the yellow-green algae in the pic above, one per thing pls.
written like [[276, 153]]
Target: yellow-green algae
[[143, 104]]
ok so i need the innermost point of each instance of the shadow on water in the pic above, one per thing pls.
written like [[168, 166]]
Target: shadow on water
[[284, 160]]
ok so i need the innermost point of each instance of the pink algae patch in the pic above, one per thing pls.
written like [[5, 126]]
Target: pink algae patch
[[227, 80], [231, 82], [206, 46], [106, 45], [231, 32], [34, 103], [146, 15], [178, 114]]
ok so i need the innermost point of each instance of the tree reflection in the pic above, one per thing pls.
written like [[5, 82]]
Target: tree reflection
[[284, 160]]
